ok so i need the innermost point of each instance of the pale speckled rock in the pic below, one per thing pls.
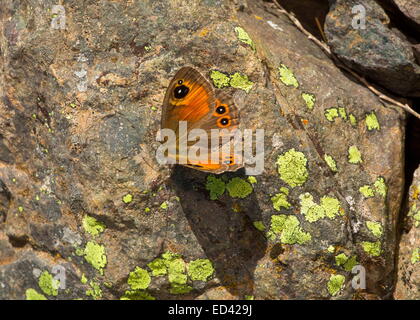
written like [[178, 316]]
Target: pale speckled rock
[[411, 8], [79, 114], [408, 283]]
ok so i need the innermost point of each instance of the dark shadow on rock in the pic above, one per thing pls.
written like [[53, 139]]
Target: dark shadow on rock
[[228, 238]]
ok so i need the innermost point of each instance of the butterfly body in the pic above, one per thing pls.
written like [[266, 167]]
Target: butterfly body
[[190, 99]]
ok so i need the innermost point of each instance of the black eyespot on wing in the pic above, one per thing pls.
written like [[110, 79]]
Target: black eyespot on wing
[[221, 110], [181, 91], [224, 121]]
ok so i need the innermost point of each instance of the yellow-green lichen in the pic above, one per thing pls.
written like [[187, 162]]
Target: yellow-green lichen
[[240, 81], [83, 279], [372, 122], [331, 114], [164, 205], [309, 100], [92, 226], [380, 186], [94, 254], [48, 284], [354, 155], [287, 76], [32, 294], [216, 186], [372, 248], [331, 162], [329, 207], [280, 201], [413, 212], [292, 167], [335, 284], [415, 257], [139, 279], [179, 288], [259, 225], [200, 269], [343, 113], [127, 198], [331, 249], [366, 191], [375, 228], [353, 119], [289, 230], [252, 180], [244, 37], [220, 80], [238, 188], [137, 295], [158, 267], [95, 290], [346, 262]]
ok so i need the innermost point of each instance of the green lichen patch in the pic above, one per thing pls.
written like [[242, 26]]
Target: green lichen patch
[[367, 191], [289, 230], [241, 81], [331, 113], [176, 271], [372, 122], [139, 279], [331, 249], [48, 284], [137, 295], [259, 225], [252, 180], [354, 155], [92, 226], [329, 207], [309, 100], [292, 167], [83, 279], [244, 37], [127, 198], [415, 214], [32, 294], [220, 80], [164, 205], [343, 113], [331, 162], [380, 186], [353, 119], [346, 262], [216, 186], [95, 290], [158, 267], [200, 269], [280, 201], [335, 284], [375, 228], [372, 248], [287, 76], [94, 254], [415, 257], [179, 288], [239, 188]]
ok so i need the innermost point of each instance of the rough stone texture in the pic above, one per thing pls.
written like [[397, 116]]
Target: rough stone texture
[[377, 52], [79, 114], [408, 285], [411, 8]]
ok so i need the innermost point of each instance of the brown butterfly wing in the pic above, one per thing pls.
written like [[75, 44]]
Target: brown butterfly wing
[[188, 98], [191, 98]]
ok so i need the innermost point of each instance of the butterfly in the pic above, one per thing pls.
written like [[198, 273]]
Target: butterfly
[[191, 99]]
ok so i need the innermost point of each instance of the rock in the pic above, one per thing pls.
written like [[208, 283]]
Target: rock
[[375, 51], [82, 188], [408, 283], [410, 8]]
